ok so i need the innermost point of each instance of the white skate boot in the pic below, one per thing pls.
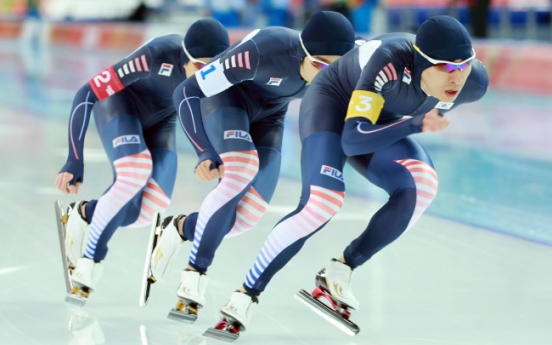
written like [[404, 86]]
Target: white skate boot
[[338, 283], [334, 284], [166, 248], [191, 296], [161, 253], [236, 315], [76, 236], [85, 277]]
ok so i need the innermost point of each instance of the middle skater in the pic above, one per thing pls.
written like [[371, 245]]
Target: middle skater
[[237, 133]]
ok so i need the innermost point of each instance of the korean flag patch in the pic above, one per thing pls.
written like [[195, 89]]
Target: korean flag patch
[[443, 105]]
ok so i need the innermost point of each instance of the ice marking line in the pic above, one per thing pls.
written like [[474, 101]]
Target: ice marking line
[[11, 269]]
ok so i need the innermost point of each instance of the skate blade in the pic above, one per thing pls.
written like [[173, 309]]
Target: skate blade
[[79, 301], [327, 313], [221, 335], [146, 283], [182, 316], [144, 335], [61, 220]]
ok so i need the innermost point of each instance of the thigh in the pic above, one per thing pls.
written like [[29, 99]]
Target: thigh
[[389, 168], [160, 140], [267, 136], [122, 136], [322, 161], [227, 124]]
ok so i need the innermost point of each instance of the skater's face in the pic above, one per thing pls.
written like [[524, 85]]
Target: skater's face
[[445, 86], [312, 65], [445, 79], [193, 66]]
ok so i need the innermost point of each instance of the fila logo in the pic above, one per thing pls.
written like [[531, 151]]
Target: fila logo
[[274, 81], [243, 135], [166, 69], [126, 139], [331, 172]]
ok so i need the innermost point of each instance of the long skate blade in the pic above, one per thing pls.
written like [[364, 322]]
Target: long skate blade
[[144, 335], [327, 313], [221, 335], [61, 220], [146, 283], [182, 316], [79, 301]]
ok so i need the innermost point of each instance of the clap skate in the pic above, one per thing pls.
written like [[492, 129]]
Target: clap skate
[[147, 277], [61, 220], [191, 297], [336, 311], [85, 278], [161, 253], [235, 317], [73, 233]]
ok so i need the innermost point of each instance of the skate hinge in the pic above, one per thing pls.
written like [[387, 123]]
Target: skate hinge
[[180, 306], [341, 309]]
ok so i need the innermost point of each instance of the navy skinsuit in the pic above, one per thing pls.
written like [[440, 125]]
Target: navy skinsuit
[[384, 153], [240, 125], [135, 116]]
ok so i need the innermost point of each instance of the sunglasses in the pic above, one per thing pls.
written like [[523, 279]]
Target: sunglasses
[[320, 63], [196, 61], [447, 66]]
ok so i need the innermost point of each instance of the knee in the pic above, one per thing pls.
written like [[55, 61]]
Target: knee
[[324, 203], [425, 181], [132, 212], [240, 165], [132, 172]]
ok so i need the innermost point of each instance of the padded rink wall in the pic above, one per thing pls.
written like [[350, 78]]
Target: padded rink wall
[[513, 65]]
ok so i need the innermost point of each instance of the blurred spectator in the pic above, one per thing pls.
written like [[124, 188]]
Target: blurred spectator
[[277, 12], [227, 12], [361, 14], [479, 14], [340, 6]]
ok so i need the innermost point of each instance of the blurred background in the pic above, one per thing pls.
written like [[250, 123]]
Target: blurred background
[[474, 271], [495, 158], [519, 19]]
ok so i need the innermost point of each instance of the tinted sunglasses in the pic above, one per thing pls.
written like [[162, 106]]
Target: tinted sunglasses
[[320, 63], [448, 66], [191, 58]]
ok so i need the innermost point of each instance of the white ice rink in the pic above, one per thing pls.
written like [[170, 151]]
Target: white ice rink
[[443, 283]]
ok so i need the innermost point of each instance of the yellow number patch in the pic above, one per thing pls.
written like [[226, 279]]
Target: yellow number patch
[[365, 104]]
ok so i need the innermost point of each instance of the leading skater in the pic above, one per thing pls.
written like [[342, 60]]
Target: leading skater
[[238, 133], [135, 116], [363, 110]]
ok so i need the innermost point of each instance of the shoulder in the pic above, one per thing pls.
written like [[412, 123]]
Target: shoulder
[[273, 39], [395, 48]]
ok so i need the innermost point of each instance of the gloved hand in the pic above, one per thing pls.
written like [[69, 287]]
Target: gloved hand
[[210, 166], [70, 177]]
